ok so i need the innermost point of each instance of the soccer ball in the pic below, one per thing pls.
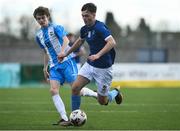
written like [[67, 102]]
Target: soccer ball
[[78, 117]]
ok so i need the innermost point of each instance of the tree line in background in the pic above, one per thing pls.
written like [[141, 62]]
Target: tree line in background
[[134, 44], [27, 27]]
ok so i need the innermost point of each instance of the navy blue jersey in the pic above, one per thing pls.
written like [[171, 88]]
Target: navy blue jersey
[[95, 37]]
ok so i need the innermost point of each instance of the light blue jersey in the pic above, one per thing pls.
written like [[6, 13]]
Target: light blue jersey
[[51, 39]]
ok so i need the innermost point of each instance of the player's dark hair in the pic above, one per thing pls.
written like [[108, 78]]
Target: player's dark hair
[[41, 11], [89, 7]]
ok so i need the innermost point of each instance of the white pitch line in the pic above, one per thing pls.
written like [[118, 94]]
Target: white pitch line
[[150, 104], [141, 104], [24, 102], [95, 104], [99, 111], [25, 111], [46, 111]]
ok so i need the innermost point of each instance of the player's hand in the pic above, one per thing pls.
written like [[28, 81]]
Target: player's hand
[[61, 56], [46, 74], [93, 57]]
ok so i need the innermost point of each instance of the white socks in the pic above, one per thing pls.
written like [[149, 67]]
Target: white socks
[[60, 106], [88, 92]]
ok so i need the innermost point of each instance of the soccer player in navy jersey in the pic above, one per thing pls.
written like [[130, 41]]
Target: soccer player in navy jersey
[[100, 60], [53, 40]]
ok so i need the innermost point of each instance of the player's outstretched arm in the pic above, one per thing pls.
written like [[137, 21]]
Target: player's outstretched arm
[[61, 55], [74, 47]]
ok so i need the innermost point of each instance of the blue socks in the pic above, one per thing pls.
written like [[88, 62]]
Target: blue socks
[[112, 94], [75, 101]]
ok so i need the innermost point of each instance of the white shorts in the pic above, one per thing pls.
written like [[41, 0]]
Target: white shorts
[[79, 66], [102, 77]]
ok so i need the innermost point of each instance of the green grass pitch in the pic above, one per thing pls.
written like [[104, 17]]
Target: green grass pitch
[[142, 109]]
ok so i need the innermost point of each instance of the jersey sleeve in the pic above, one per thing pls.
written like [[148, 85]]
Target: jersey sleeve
[[39, 43], [60, 31], [103, 31], [83, 33]]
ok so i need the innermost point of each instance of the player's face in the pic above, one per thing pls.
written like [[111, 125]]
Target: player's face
[[88, 17], [43, 20]]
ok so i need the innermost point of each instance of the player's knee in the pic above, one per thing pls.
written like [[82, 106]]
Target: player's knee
[[103, 102], [53, 91]]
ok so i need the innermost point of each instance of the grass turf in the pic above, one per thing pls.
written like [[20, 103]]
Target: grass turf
[[142, 109]]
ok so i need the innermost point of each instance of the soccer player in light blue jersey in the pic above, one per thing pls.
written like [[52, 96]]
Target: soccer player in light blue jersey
[[53, 40], [100, 60]]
